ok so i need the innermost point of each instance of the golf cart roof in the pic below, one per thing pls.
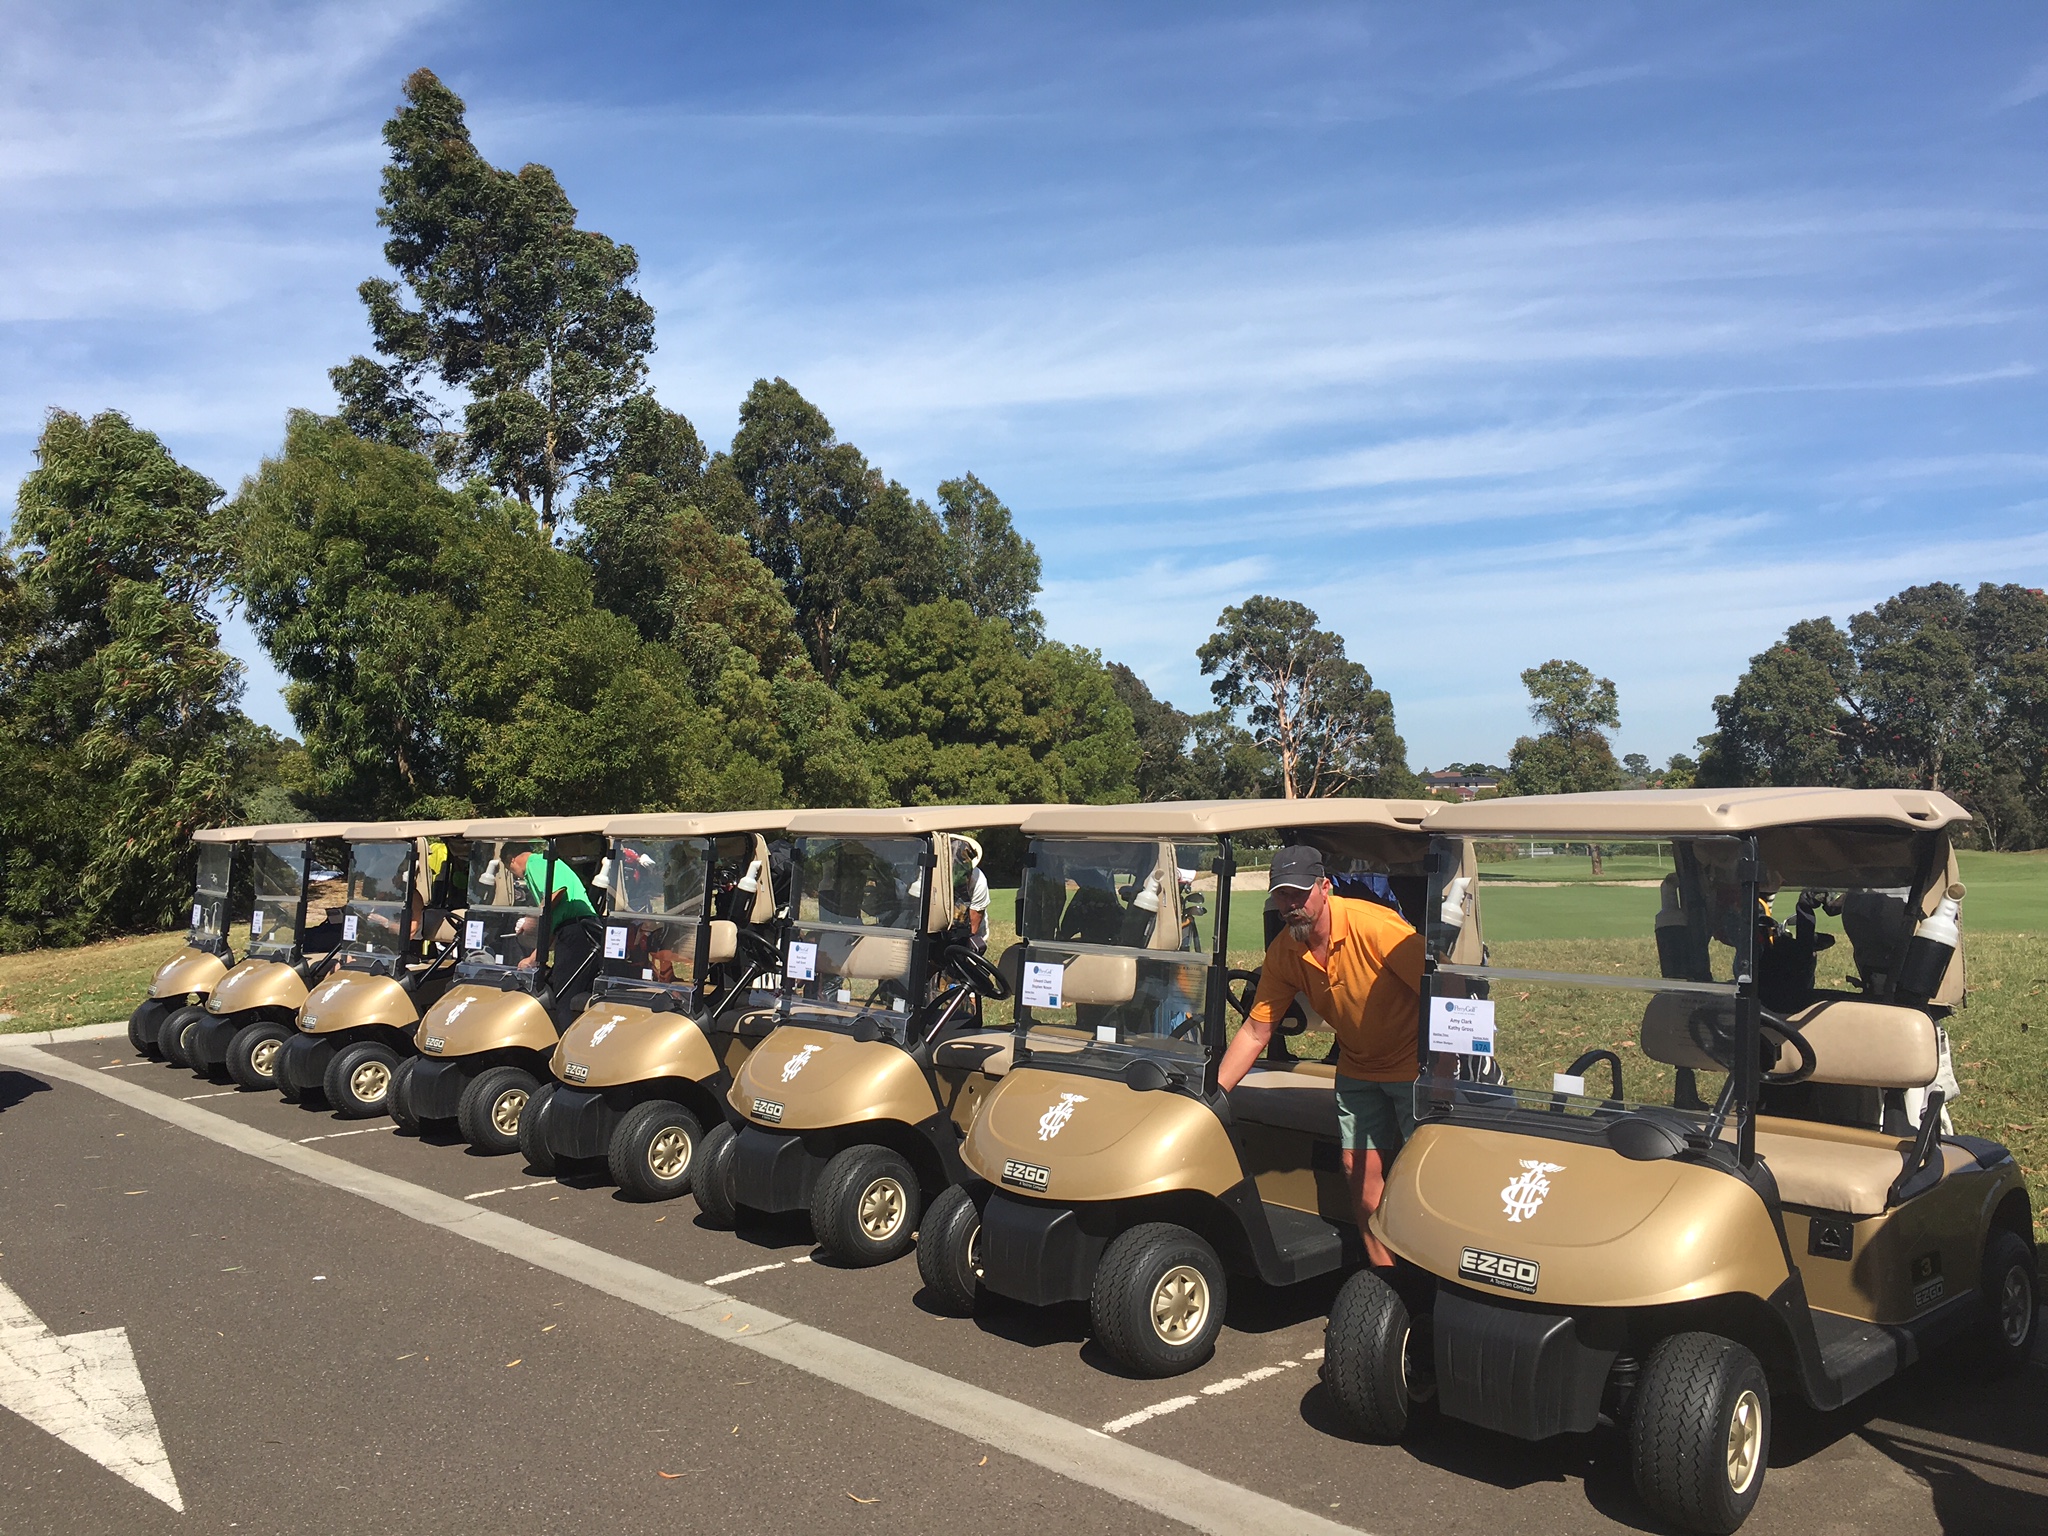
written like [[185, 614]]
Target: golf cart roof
[[292, 831], [908, 820], [1701, 812], [223, 834], [708, 824], [376, 831], [535, 826], [1212, 818]]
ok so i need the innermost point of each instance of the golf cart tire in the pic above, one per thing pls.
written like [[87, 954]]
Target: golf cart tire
[[339, 1082], [648, 1130], [533, 1135], [866, 1179], [1679, 1432], [713, 1185], [143, 1023], [398, 1103], [170, 1035], [2011, 1316], [482, 1105], [242, 1053], [1365, 1347], [1133, 1268], [945, 1252]]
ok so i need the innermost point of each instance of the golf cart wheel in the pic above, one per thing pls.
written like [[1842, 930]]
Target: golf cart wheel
[[488, 1111], [534, 1149], [949, 1252], [252, 1054], [143, 1024], [866, 1206], [1377, 1360], [2011, 1294], [713, 1184], [654, 1151], [358, 1080], [170, 1035], [1158, 1300], [1700, 1432], [398, 1103]]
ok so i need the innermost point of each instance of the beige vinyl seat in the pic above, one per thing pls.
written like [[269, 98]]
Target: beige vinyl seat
[[1855, 1044], [1291, 1101]]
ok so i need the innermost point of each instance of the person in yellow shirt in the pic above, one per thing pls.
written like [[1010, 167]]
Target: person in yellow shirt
[[1360, 966]]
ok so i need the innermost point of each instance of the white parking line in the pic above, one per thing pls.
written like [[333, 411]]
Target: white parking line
[[333, 1135], [1214, 1389], [223, 1094], [122, 1066], [485, 1194], [758, 1269]]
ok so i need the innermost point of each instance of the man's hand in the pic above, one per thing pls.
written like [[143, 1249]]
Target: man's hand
[[1246, 1046]]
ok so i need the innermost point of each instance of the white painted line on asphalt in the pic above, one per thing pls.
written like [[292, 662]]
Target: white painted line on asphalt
[[741, 1274], [1214, 1389], [123, 1066], [1077, 1452], [485, 1194], [336, 1135], [1232, 1383], [225, 1093], [1157, 1410]]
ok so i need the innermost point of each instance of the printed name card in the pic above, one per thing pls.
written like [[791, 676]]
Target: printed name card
[[1043, 982], [803, 961], [1461, 1024], [615, 943], [473, 934], [348, 928]]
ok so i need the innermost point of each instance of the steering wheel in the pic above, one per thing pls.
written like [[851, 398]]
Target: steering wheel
[[1784, 1034], [1189, 1028], [1242, 988], [757, 949], [972, 967]]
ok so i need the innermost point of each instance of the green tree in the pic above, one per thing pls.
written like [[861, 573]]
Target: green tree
[[1571, 754], [1315, 710], [534, 319], [118, 724], [1785, 722], [991, 567]]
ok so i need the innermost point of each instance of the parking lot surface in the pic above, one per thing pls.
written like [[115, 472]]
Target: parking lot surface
[[341, 1328]]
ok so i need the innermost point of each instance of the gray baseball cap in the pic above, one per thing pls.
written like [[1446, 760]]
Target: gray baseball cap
[[1297, 868]]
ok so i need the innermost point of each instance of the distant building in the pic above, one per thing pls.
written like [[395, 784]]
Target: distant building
[[1465, 785]]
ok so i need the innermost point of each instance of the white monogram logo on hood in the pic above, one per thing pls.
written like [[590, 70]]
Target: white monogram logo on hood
[[597, 1035], [796, 1063], [1054, 1120], [1526, 1191], [456, 1012]]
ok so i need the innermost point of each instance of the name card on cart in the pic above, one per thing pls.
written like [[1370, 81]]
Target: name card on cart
[[1461, 1024], [1043, 982]]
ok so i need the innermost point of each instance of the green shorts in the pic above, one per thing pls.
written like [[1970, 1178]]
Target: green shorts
[[1376, 1117]]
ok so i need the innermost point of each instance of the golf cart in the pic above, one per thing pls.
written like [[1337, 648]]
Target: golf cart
[[184, 980], [1592, 1241], [396, 955], [853, 1108], [647, 1066], [523, 975], [1107, 1166], [297, 874]]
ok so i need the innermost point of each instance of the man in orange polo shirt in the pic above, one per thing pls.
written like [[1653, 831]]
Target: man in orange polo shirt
[[1360, 966]]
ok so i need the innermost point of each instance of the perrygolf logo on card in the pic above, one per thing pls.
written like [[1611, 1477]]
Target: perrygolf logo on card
[[1044, 980], [1461, 1024]]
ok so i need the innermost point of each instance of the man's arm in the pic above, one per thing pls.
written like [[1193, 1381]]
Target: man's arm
[[1277, 986]]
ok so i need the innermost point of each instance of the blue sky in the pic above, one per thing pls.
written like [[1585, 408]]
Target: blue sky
[[1627, 333]]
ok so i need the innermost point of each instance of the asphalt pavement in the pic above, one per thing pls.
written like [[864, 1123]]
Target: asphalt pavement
[[341, 1328]]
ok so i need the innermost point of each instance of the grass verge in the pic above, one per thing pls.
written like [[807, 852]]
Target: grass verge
[[57, 988]]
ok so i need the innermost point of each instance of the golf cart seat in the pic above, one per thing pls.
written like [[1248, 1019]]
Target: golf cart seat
[[1821, 1166], [864, 958], [1298, 1100], [1088, 980]]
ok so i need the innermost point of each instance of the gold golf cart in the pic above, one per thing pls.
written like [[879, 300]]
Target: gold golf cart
[[523, 975], [1106, 1166], [853, 1107], [694, 912], [297, 872], [184, 980], [1595, 1240], [396, 955]]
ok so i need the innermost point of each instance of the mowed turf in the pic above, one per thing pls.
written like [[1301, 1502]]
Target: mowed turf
[[55, 988]]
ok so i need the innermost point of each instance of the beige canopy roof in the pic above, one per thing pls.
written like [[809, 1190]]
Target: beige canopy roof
[[534, 826], [275, 832], [907, 821], [708, 824], [1212, 818], [393, 831], [223, 834], [1698, 812]]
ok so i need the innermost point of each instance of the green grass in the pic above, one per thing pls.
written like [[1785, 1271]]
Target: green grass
[[1575, 867], [95, 983], [2008, 892]]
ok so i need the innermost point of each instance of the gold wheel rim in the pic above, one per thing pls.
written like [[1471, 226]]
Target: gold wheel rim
[[1745, 1441], [669, 1153], [882, 1205], [370, 1082], [2016, 1306], [1180, 1304], [263, 1057], [505, 1111]]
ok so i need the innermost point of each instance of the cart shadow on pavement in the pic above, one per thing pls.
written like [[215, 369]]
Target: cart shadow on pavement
[[16, 1086]]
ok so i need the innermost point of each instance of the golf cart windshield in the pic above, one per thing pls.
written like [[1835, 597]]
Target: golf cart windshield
[[503, 920], [658, 890], [279, 870], [210, 894], [855, 926], [378, 917], [1117, 955]]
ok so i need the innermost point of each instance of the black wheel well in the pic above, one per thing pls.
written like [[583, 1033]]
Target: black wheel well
[[699, 1100], [2015, 1214], [905, 1140], [1202, 1214], [1747, 1320]]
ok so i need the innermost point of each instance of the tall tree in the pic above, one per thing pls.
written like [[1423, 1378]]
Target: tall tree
[[118, 726], [991, 567], [535, 320], [1785, 722], [1571, 754], [1331, 731]]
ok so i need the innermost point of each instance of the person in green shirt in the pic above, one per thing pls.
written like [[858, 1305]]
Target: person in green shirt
[[566, 897]]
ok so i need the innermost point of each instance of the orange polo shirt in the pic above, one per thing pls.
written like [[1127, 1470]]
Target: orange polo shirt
[[1371, 991]]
